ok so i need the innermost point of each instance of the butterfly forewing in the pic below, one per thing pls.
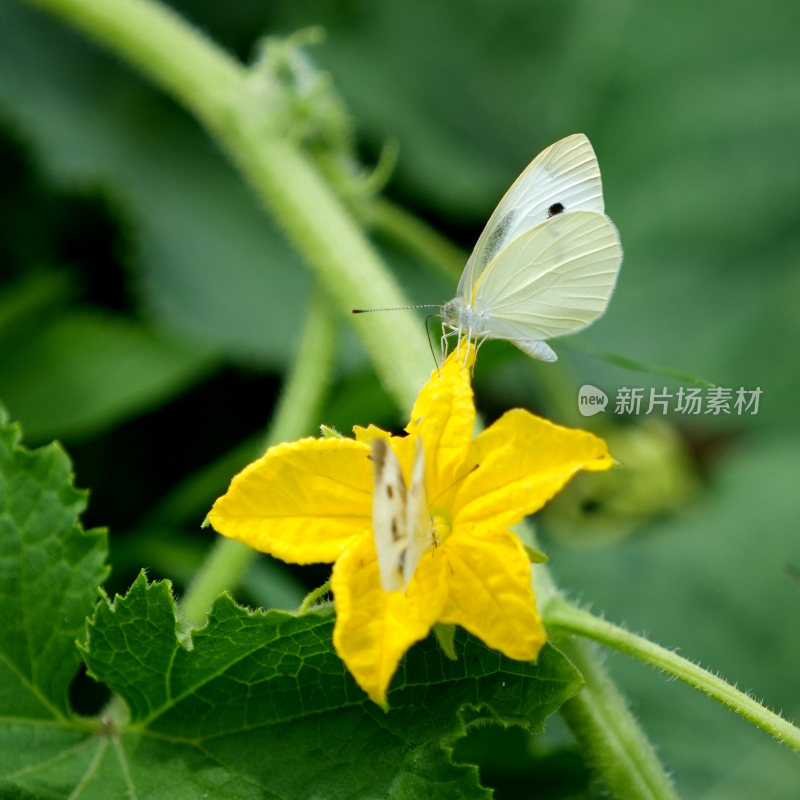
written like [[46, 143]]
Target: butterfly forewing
[[400, 520], [552, 280], [389, 519], [563, 178]]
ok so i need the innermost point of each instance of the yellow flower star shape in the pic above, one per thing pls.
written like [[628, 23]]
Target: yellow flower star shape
[[312, 501]]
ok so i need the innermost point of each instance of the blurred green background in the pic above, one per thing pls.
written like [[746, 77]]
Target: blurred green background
[[149, 309]]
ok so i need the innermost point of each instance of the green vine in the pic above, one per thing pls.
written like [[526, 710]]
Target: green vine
[[562, 617]]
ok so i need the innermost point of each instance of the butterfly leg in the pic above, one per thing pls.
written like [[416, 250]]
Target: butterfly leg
[[446, 336], [467, 348], [458, 341], [447, 333], [477, 345]]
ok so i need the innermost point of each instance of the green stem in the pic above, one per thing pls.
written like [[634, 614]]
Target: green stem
[[300, 402], [335, 248], [563, 617], [297, 411], [412, 234], [611, 740], [249, 122], [313, 596]]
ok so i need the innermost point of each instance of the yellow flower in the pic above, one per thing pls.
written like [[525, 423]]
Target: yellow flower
[[312, 501]]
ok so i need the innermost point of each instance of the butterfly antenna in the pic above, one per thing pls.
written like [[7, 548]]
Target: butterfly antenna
[[396, 308], [408, 308]]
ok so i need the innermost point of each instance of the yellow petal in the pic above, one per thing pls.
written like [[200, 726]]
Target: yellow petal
[[490, 594], [523, 461], [375, 628], [444, 415], [366, 435], [302, 502]]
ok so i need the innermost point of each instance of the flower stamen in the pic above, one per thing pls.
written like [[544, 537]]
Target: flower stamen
[[441, 526]]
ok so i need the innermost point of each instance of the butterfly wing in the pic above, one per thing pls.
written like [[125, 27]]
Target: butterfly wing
[[389, 515], [419, 520], [563, 178], [552, 280], [400, 520]]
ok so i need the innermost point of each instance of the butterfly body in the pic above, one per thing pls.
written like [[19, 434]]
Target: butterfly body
[[458, 313], [547, 261]]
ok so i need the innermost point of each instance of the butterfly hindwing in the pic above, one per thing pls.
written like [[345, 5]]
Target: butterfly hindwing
[[552, 280]]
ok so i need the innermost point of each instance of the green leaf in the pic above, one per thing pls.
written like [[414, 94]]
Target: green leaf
[[30, 298], [85, 371], [263, 697], [49, 572], [536, 556]]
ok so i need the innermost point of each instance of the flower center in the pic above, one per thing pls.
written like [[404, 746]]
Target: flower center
[[440, 528]]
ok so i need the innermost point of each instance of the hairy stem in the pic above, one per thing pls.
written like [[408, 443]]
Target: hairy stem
[[612, 741], [563, 617], [315, 595]]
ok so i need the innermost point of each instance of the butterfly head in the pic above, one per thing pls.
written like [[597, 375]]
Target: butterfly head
[[462, 321], [451, 313]]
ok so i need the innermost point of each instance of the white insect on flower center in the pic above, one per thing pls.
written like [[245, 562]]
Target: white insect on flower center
[[401, 523]]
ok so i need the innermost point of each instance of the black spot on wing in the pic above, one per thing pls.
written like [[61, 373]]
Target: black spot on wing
[[556, 208], [395, 531]]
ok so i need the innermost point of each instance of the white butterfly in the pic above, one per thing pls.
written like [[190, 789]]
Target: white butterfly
[[547, 260], [400, 521]]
